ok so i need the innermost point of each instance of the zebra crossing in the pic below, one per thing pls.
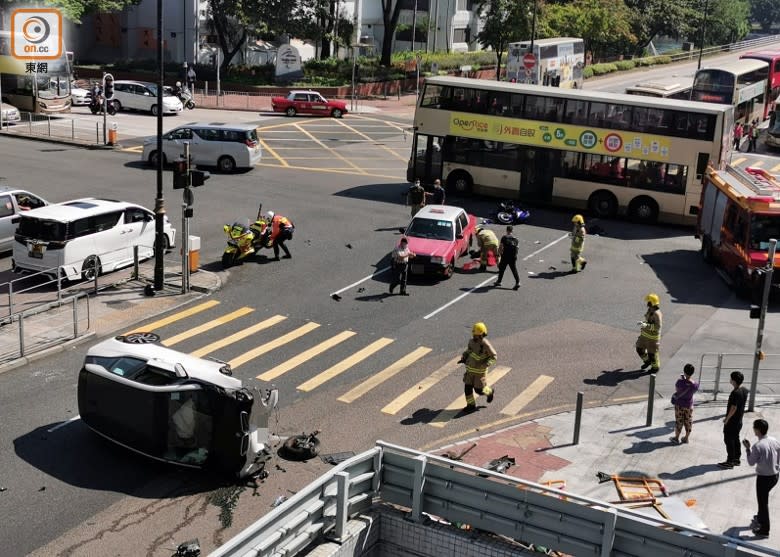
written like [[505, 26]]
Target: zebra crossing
[[398, 371]]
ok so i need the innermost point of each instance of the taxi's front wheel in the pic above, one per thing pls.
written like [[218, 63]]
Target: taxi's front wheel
[[291, 111]]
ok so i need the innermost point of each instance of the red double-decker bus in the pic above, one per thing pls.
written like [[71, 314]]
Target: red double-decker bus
[[771, 57]]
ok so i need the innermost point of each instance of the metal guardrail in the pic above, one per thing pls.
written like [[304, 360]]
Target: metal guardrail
[[56, 126], [715, 368], [710, 50], [486, 500]]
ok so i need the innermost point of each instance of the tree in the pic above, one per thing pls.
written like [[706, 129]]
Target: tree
[[727, 21], [74, 10], [765, 13], [391, 9], [662, 17], [600, 23], [503, 22]]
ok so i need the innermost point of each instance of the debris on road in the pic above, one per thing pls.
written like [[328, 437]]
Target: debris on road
[[452, 455], [500, 465], [188, 549], [336, 297], [336, 458], [279, 500], [301, 447]]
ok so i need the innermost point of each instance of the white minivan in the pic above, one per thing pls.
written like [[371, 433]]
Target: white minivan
[[85, 237], [226, 146], [142, 95]]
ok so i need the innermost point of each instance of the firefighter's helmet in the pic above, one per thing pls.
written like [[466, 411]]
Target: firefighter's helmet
[[653, 299], [479, 329], [577, 219], [270, 216]]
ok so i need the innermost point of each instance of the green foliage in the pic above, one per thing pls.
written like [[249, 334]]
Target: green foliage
[[650, 18], [601, 69], [727, 21], [587, 72], [765, 13], [623, 65], [503, 22], [74, 10], [653, 60]]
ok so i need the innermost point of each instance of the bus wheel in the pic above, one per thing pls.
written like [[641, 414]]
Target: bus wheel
[[460, 183], [643, 209], [603, 204]]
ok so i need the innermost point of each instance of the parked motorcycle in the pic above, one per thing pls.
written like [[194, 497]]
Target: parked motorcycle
[[509, 212], [96, 103], [244, 240], [186, 99]]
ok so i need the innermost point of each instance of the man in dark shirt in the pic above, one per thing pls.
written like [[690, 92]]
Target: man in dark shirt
[[507, 250], [438, 195], [732, 422]]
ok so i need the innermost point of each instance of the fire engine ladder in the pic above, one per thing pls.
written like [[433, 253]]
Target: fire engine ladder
[[758, 180]]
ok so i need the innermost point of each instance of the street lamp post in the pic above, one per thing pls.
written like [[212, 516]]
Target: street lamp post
[[703, 32], [758, 355], [533, 28], [159, 202]]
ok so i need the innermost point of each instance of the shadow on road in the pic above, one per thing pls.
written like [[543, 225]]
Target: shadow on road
[[689, 472], [615, 377]]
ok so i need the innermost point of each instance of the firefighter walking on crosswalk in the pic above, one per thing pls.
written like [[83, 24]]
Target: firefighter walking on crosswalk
[[478, 357], [648, 345]]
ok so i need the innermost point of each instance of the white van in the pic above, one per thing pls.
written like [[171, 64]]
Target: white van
[[226, 146], [84, 237]]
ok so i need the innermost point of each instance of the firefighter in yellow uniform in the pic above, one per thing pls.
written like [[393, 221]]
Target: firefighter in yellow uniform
[[648, 344], [577, 243], [488, 242], [478, 357]]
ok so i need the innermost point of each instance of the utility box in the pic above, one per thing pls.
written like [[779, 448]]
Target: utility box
[[194, 244]]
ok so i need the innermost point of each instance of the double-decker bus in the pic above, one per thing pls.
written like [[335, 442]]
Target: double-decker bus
[[742, 83], [609, 152], [559, 62], [771, 57], [772, 138], [34, 86], [663, 88]]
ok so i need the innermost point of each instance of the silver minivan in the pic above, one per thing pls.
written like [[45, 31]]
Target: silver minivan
[[13, 202], [226, 146]]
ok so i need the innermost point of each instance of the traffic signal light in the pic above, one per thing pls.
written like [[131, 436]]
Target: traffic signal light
[[108, 86], [755, 311], [198, 177], [180, 174]]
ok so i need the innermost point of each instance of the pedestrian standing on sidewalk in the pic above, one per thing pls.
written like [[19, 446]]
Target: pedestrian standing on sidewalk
[[753, 139], [507, 251], [749, 136], [478, 357], [765, 456], [400, 262], [732, 422], [737, 135], [682, 399]]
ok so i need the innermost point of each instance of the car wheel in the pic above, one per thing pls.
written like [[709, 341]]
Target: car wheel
[[301, 447], [139, 338], [291, 111], [155, 110], [336, 113], [460, 183], [643, 209], [90, 268], [449, 270], [153, 159], [226, 164], [228, 259], [603, 204], [117, 105]]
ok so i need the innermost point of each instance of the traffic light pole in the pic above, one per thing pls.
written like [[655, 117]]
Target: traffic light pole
[[159, 202], [757, 356], [186, 208], [105, 112]]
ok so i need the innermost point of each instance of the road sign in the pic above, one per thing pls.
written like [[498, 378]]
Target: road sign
[[529, 60]]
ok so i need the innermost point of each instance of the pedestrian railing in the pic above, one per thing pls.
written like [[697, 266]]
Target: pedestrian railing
[[715, 370], [489, 501], [711, 50], [57, 127]]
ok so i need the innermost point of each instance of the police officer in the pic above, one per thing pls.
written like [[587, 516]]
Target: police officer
[[438, 195], [507, 250], [415, 197]]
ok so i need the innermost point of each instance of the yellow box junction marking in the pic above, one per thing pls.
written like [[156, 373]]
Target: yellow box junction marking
[[276, 343], [221, 343], [410, 394], [273, 153], [344, 365], [154, 325], [529, 393], [384, 375], [441, 419], [305, 356], [207, 326], [364, 136], [330, 150]]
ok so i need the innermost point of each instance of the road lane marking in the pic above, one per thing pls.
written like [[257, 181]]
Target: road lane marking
[[492, 278], [272, 126], [379, 378], [136, 149], [305, 356], [175, 317], [455, 407], [740, 160], [361, 134], [175, 339], [332, 151], [273, 153], [757, 164], [272, 344], [775, 168], [529, 393], [221, 343], [405, 398], [63, 424], [339, 171], [364, 279], [386, 122], [344, 365]]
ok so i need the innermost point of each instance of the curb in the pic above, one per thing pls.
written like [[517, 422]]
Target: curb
[[60, 141], [24, 360]]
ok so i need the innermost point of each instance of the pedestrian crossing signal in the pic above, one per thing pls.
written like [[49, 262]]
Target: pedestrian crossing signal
[[180, 175], [198, 177], [755, 311]]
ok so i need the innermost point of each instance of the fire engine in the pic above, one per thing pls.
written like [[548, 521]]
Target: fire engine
[[739, 213]]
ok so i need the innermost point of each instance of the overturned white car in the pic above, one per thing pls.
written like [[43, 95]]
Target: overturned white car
[[174, 407]]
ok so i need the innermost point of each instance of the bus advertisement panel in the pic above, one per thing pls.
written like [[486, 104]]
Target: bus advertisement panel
[[610, 153], [743, 83], [771, 57], [39, 86], [559, 62]]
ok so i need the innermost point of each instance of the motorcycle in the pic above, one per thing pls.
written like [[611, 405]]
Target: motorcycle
[[186, 99], [96, 104], [244, 240], [510, 213]]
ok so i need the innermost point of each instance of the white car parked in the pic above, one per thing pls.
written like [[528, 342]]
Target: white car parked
[[142, 95], [9, 114], [79, 96]]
